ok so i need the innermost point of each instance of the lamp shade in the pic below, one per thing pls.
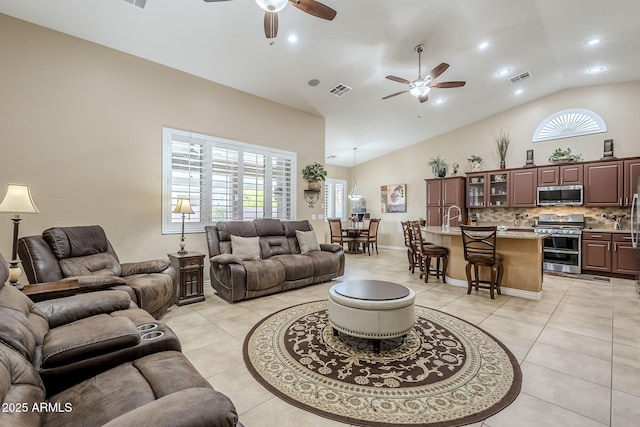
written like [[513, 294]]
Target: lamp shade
[[18, 200], [183, 206]]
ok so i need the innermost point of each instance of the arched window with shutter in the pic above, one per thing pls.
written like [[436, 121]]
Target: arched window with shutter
[[569, 123]]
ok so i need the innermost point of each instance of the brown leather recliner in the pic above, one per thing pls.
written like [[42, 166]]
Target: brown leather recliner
[[85, 253], [81, 360]]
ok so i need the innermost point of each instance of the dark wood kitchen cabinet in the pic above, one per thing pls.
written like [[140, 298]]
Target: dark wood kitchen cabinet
[[608, 253], [443, 193], [596, 251], [571, 174], [488, 189], [624, 255], [631, 179], [604, 183], [523, 184]]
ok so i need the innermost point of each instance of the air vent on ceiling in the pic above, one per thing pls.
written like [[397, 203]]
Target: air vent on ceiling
[[140, 3], [339, 90], [520, 77]]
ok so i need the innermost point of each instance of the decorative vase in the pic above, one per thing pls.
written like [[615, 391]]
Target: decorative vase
[[439, 171], [475, 166], [503, 165], [317, 186]]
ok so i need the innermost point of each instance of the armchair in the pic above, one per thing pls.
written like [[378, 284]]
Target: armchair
[[85, 253]]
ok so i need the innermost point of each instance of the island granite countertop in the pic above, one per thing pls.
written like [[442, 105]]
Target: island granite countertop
[[509, 234]]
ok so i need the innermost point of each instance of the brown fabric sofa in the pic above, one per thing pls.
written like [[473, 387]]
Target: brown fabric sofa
[[85, 253], [82, 360], [281, 265]]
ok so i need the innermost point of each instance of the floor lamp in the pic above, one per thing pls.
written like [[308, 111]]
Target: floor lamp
[[183, 207], [17, 200]]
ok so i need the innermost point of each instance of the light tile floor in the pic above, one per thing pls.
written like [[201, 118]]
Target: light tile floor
[[579, 348]]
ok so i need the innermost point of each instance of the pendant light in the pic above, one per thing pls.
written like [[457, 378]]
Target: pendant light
[[354, 195]]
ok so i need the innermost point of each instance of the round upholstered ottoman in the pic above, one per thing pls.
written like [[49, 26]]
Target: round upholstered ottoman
[[372, 309]]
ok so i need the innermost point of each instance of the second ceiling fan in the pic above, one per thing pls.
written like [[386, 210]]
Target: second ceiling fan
[[272, 7], [421, 87]]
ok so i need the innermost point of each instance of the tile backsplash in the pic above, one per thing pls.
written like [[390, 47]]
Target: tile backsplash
[[592, 216]]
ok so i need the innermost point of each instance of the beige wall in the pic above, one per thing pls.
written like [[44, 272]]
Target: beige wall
[[617, 104], [82, 124]]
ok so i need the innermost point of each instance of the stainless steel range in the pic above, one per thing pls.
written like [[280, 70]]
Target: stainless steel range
[[562, 249]]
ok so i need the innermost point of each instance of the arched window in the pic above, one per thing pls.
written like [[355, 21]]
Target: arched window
[[569, 123]]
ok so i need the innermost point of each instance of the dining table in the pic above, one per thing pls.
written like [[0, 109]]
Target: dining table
[[355, 231]]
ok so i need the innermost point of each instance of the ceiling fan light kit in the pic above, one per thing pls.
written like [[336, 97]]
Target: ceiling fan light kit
[[420, 87], [272, 5]]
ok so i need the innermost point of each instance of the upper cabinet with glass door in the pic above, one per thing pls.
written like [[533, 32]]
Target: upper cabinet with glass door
[[488, 189]]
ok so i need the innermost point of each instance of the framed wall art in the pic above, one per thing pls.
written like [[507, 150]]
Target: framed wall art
[[393, 198]]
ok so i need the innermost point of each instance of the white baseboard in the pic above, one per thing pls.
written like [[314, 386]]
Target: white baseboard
[[536, 296]]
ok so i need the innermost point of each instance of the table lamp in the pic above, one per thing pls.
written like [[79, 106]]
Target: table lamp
[[183, 207], [17, 200]]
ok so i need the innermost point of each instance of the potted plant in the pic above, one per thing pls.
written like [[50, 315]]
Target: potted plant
[[564, 156], [438, 167], [502, 144], [314, 174], [474, 161]]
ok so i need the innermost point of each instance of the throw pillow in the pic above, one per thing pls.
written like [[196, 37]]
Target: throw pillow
[[247, 248], [308, 241]]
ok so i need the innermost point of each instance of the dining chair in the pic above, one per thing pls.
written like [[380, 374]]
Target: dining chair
[[426, 252], [479, 245], [338, 235], [370, 238]]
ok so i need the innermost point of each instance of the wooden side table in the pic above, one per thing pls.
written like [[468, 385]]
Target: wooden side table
[[190, 268]]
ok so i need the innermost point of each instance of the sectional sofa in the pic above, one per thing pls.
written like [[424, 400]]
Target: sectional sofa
[[96, 359]]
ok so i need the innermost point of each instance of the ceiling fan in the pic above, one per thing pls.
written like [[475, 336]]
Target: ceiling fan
[[272, 7], [420, 87]]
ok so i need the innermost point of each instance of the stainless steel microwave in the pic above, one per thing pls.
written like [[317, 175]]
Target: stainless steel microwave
[[561, 195]]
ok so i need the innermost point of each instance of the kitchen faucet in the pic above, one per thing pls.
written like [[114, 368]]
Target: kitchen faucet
[[447, 217]]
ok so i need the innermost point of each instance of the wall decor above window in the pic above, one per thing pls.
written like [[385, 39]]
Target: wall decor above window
[[569, 123]]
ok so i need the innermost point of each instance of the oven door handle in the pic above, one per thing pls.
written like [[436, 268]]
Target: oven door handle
[[561, 251]]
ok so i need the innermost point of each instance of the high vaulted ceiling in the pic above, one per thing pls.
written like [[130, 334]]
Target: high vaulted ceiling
[[224, 42]]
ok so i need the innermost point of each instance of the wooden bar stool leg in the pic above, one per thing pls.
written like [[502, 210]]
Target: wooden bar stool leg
[[427, 269], [445, 264], [469, 282], [499, 280]]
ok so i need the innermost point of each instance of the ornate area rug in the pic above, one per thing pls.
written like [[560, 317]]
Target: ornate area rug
[[446, 372]]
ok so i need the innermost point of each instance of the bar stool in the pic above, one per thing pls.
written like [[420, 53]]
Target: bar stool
[[408, 242], [425, 252], [480, 251]]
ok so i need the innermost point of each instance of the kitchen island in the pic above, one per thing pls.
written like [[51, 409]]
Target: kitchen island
[[522, 252]]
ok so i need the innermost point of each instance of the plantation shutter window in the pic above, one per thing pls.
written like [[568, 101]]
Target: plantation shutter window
[[224, 181]]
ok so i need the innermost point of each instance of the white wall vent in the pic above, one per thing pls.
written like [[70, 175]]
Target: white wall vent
[[520, 77], [140, 3], [339, 90], [568, 123]]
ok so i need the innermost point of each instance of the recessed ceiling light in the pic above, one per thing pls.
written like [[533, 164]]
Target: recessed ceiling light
[[314, 82], [519, 91], [503, 72], [440, 100], [483, 45], [292, 38], [593, 42], [596, 70]]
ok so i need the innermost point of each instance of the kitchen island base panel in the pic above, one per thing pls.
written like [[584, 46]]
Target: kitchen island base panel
[[522, 259]]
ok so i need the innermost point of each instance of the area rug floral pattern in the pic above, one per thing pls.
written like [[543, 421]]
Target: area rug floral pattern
[[446, 372]]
